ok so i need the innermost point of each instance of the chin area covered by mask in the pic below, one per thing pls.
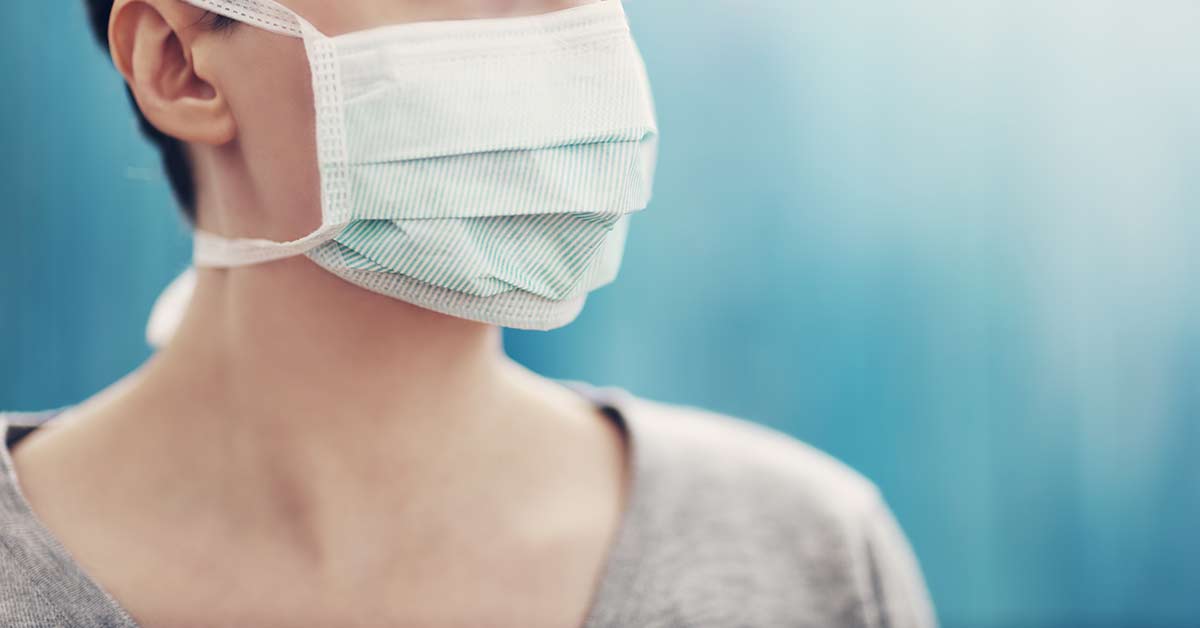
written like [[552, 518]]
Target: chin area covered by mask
[[485, 168]]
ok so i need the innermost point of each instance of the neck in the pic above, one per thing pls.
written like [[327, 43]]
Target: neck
[[309, 416], [291, 341], [306, 393]]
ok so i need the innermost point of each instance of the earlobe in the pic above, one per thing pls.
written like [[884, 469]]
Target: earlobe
[[153, 45]]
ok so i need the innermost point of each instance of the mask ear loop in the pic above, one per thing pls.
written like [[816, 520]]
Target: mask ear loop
[[214, 251], [211, 251], [265, 14]]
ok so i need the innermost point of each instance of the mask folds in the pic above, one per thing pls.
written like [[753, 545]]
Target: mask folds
[[484, 168]]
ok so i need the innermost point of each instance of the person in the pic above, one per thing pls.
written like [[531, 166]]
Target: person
[[331, 433]]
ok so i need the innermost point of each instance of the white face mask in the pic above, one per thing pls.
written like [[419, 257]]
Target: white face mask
[[485, 169]]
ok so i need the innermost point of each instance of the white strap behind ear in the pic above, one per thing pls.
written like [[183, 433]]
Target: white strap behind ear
[[265, 14], [214, 251], [169, 309]]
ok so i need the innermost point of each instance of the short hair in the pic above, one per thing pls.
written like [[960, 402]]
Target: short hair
[[173, 151]]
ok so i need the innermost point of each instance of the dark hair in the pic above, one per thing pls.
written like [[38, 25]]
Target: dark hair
[[173, 151]]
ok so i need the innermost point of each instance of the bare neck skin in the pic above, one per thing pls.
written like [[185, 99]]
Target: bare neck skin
[[322, 429]]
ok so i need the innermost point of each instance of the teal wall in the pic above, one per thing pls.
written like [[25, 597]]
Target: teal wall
[[953, 243]]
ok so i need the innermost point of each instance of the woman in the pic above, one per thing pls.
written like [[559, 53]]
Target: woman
[[331, 434]]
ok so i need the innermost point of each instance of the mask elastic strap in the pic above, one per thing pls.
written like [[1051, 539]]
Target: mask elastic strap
[[214, 251], [265, 14]]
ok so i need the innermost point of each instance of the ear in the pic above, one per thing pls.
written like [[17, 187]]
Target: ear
[[155, 45]]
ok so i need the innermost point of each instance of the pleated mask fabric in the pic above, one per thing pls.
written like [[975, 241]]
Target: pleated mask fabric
[[483, 168]]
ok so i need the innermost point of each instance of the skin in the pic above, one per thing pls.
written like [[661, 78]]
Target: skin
[[306, 452]]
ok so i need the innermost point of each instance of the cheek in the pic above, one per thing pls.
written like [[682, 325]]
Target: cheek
[[343, 16], [273, 103]]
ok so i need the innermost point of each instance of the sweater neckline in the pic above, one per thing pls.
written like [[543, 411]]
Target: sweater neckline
[[52, 561]]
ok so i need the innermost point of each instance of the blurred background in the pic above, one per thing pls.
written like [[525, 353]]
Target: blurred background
[[952, 243]]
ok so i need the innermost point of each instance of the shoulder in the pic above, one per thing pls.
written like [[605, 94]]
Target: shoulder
[[17, 425], [40, 585], [774, 469], [21, 555], [809, 536]]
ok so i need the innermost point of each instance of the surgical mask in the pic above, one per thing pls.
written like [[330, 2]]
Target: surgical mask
[[482, 168]]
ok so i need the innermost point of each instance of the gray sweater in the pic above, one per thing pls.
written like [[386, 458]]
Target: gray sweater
[[730, 524]]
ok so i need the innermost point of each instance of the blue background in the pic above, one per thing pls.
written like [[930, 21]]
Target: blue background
[[952, 243]]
